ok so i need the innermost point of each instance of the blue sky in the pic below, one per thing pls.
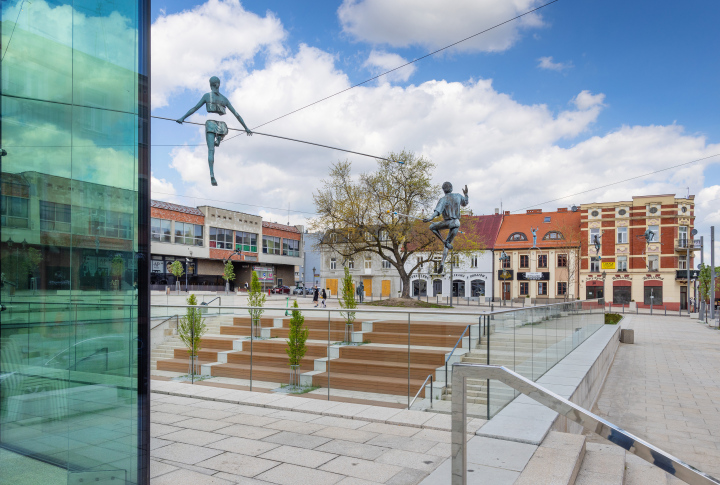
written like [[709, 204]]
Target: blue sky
[[649, 71]]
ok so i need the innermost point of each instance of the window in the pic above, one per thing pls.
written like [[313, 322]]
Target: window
[[622, 235], [333, 263], [517, 236], [506, 263], [160, 230], [351, 263], [247, 241], [271, 245], [221, 238], [562, 288], [542, 288], [653, 295], [383, 235], [524, 261], [655, 233], [291, 247], [622, 212], [595, 213], [54, 217], [553, 236], [653, 210], [562, 261], [594, 234], [111, 224], [188, 234], [547, 219], [621, 295], [622, 263], [653, 263], [682, 263], [542, 261], [682, 236], [455, 260], [473, 261], [368, 262], [595, 265], [386, 264], [14, 211], [524, 288]]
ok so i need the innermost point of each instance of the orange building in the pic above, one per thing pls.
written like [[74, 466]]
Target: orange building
[[543, 265]]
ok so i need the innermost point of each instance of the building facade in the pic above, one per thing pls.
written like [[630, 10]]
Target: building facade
[[74, 242], [378, 277], [472, 274], [543, 251], [203, 238], [624, 266]]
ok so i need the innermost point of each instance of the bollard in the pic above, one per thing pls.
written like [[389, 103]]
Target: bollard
[[666, 310]]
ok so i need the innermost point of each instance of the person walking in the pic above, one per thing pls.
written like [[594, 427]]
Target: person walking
[[324, 297], [315, 295], [361, 291]]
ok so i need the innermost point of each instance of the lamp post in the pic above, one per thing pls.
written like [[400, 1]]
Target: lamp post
[[503, 257], [238, 251], [314, 282], [604, 275]]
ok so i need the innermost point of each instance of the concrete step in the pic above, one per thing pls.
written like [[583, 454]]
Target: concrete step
[[640, 472], [556, 461], [602, 464]]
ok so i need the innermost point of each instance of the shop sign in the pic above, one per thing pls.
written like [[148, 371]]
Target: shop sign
[[533, 276], [505, 274], [264, 273], [607, 265]]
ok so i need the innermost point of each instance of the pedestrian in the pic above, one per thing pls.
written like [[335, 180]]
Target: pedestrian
[[324, 297], [361, 292], [246, 286], [315, 295]]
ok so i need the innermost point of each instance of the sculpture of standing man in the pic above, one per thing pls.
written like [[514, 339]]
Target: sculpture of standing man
[[449, 208], [215, 131], [534, 233]]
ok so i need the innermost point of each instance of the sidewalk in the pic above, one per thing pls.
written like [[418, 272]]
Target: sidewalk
[[665, 388]]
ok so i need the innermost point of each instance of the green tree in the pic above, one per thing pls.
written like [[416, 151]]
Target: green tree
[[256, 299], [347, 299], [228, 274], [704, 282], [298, 335], [368, 214], [191, 328]]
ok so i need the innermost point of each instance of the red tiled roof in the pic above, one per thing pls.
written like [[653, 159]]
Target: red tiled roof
[[482, 229], [280, 227], [177, 208], [567, 223]]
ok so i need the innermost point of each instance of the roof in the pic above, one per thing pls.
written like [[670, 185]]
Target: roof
[[176, 208], [567, 223], [482, 229], [280, 227]]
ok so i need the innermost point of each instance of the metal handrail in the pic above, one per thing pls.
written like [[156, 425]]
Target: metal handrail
[[453, 351], [430, 376], [176, 316], [591, 422], [216, 298]]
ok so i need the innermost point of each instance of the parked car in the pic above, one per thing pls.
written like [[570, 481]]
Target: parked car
[[281, 290], [302, 290]]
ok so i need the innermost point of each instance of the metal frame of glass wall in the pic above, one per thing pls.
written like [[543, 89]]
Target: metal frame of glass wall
[[75, 241]]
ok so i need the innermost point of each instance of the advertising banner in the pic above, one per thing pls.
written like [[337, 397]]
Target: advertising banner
[[607, 265], [505, 274], [533, 276]]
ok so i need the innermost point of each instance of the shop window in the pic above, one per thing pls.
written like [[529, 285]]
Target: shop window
[[542, 261], [160, 230], [562, 288], [621, 295], [54, 217], [542, 288], [524, 288], [221, 238], [653, 294], [477, 288], [271, 245], [188, 234], [562, 260], [524, 261]]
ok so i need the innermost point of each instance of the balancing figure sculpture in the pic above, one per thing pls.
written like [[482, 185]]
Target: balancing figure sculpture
[[215, 131], [534, 233], [449, 208]]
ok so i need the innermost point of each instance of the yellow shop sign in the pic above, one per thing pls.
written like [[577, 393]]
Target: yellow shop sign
[[608, 265]]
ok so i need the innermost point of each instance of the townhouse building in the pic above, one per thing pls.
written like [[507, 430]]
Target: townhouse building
[[626, 266], [543, 255]]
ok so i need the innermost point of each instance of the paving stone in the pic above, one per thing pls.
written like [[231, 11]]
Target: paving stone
[[162, 429], [508, 455], [215, 414], [187, 477], [216, 405], [253, 410], [377, 414], [157, 417], [287, 474], [295, 439], [407, 476], [356, 450], [434, 435], [249, 419], [158, 468], [299, 456], [245, 431], [406, 417], [156, 443], [339, 422], [238, 480], [236, 464], [201, 424], [243, 446], [295, 426], [193, 437], [346, 409], [402, 443], [382, 428], [367, 470], [184, 453], [440, 449], [294, 416], [355, 481], [355, 435], [409, 459]]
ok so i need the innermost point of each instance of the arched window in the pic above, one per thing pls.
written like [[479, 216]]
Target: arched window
[[553, 236], [517, 236]]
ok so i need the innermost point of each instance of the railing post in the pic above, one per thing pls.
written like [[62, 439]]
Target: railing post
[[458, 426], [328, 355], [408, 329], [431, 391]]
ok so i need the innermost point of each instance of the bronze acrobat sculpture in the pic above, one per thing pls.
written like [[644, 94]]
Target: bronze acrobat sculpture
[[215, 131], [449, 207]]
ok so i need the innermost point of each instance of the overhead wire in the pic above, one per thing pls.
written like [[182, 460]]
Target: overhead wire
[[13, 30]]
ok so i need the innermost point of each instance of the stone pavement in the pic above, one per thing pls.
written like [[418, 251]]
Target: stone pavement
[[226, 436], [665, 388]]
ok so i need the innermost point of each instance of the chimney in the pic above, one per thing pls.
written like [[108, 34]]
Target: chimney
[[497, 211], [534, 211], [562, 209], [507, 213]]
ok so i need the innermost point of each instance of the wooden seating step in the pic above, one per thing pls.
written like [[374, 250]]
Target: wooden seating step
[[443, 328], [431, 340], [179, 365], [269, 359], [381, 369], [384, 385], [260, 373], [205, 355], [221, 343], [389, 354], [264, 321], [314, 334]]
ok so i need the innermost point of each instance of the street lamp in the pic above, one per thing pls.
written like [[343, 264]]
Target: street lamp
[[503, 257], [238, 251], [314, 282], [604, 275]]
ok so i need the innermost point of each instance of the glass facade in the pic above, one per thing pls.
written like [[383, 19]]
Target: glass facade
[[74, 242]]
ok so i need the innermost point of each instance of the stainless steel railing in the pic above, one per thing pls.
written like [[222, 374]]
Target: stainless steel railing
[[653, 455]]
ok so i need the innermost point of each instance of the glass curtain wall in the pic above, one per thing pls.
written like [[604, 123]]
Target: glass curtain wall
[[74, 242]]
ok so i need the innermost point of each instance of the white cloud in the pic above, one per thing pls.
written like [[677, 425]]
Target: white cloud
[[548, 63], [217, 38], [381, 61], [433, 24], [586, 100], [162, 189]]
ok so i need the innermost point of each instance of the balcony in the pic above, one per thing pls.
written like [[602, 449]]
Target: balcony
[[683, 244], [681, 274]]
